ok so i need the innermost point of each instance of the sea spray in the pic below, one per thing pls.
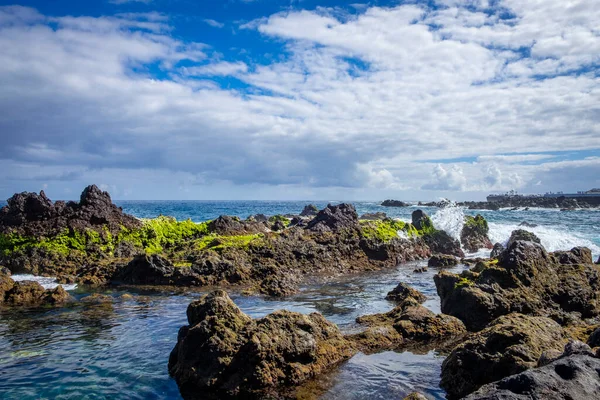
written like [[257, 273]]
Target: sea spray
[[450, 218], [47, 283]]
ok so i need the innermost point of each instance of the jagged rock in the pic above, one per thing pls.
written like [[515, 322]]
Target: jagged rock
[[549, 356], [497, 250], [420, 270], [30, 214], [594, 339], [309, 210], [442, 243], [279, 285], [527, 280], [224, 353], [528, 225], [258, 218], [335, 218], [572, 376], [30, 293], [394, 203], [228, 226], [420, 220], [154, 270], [521, 234], [409, 321], [277, 226], [378, 216], [442, 261], [403, 292], [510, 345], [577, 255], [474, 234]]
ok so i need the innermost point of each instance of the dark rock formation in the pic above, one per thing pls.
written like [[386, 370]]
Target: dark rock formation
[[409, 321], [228, 226], [526, 279], [521, 234], [338, 218], [442, 243], [577, 255], [394, 203], [474, 234], [528, 224], [510, 345], [415, 396], [154, 270], [378, 216], [29, 293], [225, 353], [497, 250], [403, 292], [420, 220], [309, 211], [442, 261], [571, 376], [594, 339], [30, 214]]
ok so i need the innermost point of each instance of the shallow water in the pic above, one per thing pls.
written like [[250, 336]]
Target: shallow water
[[120, 350]]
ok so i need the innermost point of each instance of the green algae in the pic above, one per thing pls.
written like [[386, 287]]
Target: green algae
[[477, 223], [463, 282], [387, 229], [218, 242], [285, 221]]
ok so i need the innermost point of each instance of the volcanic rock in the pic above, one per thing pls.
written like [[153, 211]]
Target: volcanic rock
[[510, 345], [577, 255], [442, 243], [474, 234], [309, 210], [442, 261], [225, 353], [394, 203], [337, 218], [378, 216], [403, 292], [497, 250]]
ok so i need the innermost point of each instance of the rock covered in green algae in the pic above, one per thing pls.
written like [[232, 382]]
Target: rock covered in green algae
[[509, 345], [526, 279], [408, 322], [474, 234], [223, 352], [572, 375], [403, 291]]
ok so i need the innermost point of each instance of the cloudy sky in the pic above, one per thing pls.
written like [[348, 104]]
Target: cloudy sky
[[269, 99]]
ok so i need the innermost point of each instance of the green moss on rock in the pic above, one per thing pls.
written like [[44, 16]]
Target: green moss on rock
[[383, 230]]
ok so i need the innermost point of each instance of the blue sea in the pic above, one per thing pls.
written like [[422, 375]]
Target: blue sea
[[120, 350]]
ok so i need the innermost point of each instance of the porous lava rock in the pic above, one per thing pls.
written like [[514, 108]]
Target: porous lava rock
[[403, 292], [309, 210], [442, 261], [335, 218], [474, 234], [511, 344], [223, 353]]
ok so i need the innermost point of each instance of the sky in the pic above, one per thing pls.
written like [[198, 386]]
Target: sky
[[299, 100]]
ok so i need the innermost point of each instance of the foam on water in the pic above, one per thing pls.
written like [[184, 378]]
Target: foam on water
[[450, 219], [47, 283], [552, 239]]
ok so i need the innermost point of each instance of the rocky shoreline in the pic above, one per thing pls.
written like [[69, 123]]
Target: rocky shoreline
[[516, 325], [562, 203]]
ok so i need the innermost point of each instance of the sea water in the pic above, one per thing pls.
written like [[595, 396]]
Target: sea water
[[120, 350]]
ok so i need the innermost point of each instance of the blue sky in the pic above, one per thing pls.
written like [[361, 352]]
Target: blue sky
[[267, 99]]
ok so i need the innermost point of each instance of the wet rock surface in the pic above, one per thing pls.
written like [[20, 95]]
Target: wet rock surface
[[394, 203], [225, 353], [510, 345], [442, 261], [474, 234], [408, 322], [442, 243], [572, 375], [29, 293], [526, 279], [403, 292]]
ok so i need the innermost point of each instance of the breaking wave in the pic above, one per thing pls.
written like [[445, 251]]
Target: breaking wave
[[47, 283]]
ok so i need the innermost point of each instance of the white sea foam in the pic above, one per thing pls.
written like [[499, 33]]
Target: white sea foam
[[450, 218], [47, 283], [552, 238]]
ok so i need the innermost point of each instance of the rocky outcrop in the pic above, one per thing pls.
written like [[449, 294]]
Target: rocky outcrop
[[573, 375], [474, 234], [510, 345], [31, 214], [521, 234], [577, 255], [442, 243], [594, 339], [403, 292], [526, 279], [225, 353], [394, 203], [378, 216], [408, 322], [29, 293], [497, 250], [309, 210], [342, 217], [442, 261], [229, 226], [155, 270]]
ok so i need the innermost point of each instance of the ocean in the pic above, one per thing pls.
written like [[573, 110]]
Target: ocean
[[120, 350]]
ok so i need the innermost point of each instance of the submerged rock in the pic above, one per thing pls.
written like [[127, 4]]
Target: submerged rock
[[511, 344], [474, 234], [223, 352], [571, 376], [409, 321], [442, 261], [403, 292]]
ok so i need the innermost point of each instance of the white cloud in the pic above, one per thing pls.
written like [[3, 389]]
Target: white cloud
[[213, 23], [359, 103]]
